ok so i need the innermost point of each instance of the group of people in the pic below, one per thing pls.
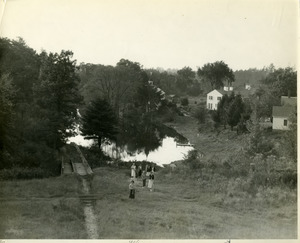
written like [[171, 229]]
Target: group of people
[[148, 173]]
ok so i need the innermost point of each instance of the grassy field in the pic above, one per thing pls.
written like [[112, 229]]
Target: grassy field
[[41, 209], [180, 209]]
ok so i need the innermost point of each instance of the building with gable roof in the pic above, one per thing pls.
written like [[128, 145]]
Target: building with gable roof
[[281, 114], [213, 98]]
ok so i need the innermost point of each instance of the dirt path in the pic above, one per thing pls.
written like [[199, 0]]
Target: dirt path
[[83, 169], [90, 221], [88, 209]]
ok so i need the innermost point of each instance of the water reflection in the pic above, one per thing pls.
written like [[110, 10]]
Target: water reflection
[[164, 154]]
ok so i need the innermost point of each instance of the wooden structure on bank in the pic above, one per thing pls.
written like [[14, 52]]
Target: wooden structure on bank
[[73, 161]]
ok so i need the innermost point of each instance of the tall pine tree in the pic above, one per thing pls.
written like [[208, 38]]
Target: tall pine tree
[[99, 122], [58, 97]]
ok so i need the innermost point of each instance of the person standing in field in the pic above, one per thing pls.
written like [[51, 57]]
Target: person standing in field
[[144, 177], [147, 169], [131, 190], [140, 171], [133, 169], [151, 181], [153, 168]]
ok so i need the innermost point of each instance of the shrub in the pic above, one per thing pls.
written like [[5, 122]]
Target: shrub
[[260, 144], [238, 165], [200, 114], [184, 101], [275, 196], [95, 156], [169, 116]]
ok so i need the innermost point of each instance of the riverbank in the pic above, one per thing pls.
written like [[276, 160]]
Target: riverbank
[[210, 144]]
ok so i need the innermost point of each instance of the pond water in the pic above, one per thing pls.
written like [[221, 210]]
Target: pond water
[[168, 152]]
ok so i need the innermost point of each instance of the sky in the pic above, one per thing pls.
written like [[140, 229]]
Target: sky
[[159, 33]]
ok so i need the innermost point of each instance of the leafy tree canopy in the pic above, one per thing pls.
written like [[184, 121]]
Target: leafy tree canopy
[[278, 82], [185, 79], [216, 74], [282, 82]]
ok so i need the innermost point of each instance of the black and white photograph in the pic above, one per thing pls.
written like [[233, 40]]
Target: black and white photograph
[[138, 120]]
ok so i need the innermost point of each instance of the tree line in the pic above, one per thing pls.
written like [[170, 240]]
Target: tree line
[[43, 97], [38, 105]]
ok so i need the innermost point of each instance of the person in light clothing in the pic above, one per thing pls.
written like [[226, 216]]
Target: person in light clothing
[[133, 169], [151, 181], [148, 170]]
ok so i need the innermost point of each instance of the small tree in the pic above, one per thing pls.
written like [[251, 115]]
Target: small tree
[[236, 108], [221, 116], [99, 122], [232, 110]]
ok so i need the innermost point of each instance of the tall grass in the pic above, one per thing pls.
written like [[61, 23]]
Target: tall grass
[[49, 187], [41, 209]]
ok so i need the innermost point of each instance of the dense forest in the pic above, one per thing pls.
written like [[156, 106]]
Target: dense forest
[[43, 97]]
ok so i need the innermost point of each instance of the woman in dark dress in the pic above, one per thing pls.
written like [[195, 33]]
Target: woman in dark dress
[[131, 190], [140, 171], [144, 178]]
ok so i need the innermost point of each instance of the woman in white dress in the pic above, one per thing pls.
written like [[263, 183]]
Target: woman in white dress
[[133, 169], [151, 181]]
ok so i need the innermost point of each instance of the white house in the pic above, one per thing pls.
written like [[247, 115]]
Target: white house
[[213, 98], [228, 88], [281, 114]]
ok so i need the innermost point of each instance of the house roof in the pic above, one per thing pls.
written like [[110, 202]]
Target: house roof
[[222, 91], [282, 111], [285, 100]]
